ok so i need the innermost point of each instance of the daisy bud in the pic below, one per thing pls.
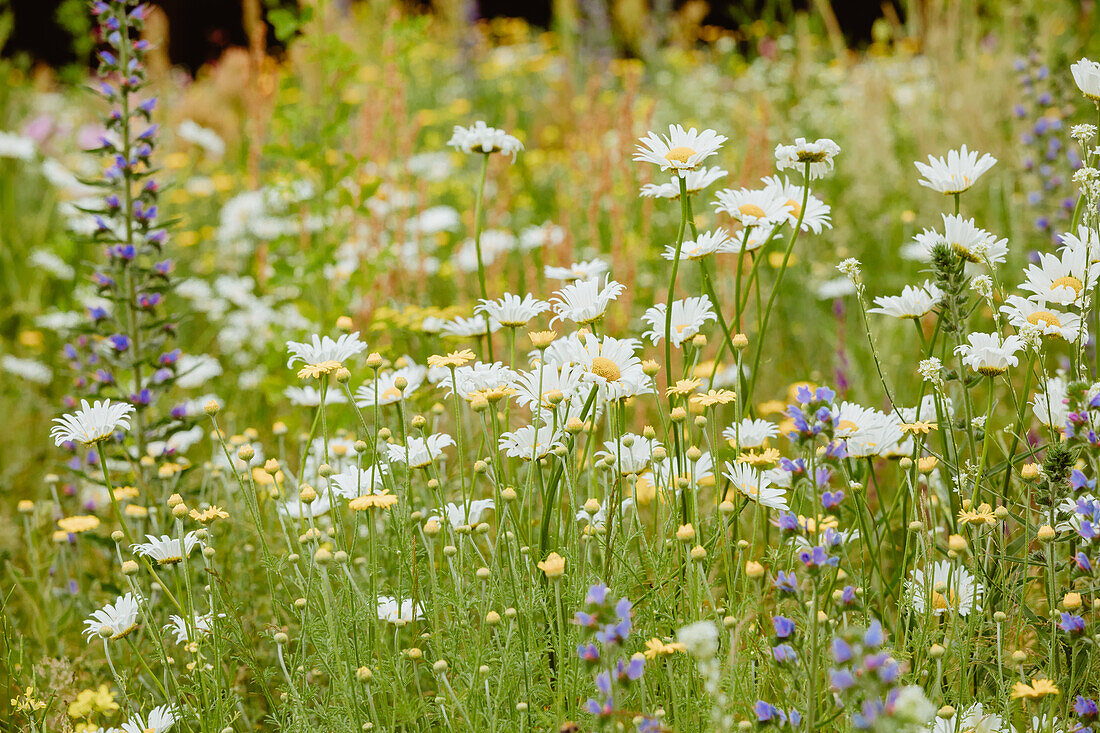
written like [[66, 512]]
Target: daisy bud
[[300, 603], [509, 613], [694, 454], [648, 432], [433, 484], [727, 507], [927, 464], [174, 500], [699, 341], [26, 506], [1029, 471], [340, 557], [322, 556], [246, 452], [1071, 601], [343, 376], [482, 528], [1046, 533], [211, 408], [450, 551], [1000, 617], [364, 675], [686, 533], [440, 667], [414, 653], [307, 494], [179, 511], [105, 631], [117, 536], [374, 360], [916, 525], [483, 573], [936, 651], [574, 425], [945, 713], [754, 569], [432, 528], [521, 707], [480, 467], [700, 421], [592, 506], [492, 618], [344, 323], [1019, 656], [509, 494], [280, 428], [129, 567], [325, 470], [744, 726], [906, 463], [698, 553], [271, 466], [281, 638], [957, 543], [650, 367], [1001, 513], [678, 415], [208, 552], [660, 453]]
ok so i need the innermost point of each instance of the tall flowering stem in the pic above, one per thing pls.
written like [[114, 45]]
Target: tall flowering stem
[[685, 216], [478, 206]]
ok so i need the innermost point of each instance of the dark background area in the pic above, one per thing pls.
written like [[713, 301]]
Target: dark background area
[[200, 30]]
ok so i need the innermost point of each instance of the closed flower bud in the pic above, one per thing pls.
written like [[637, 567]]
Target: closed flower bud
[[1072, 601], [211, 407], [343, 376], [754, 569], [957, 543], [307, 494], [740, 341], [280, 638], [686, 533], [374, 360], [1046, 533], [129, 567]]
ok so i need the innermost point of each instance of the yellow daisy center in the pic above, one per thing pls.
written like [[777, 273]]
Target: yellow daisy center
[[1068, 281], [604, 367], [679, 155], [750, 210], [1045, 317], [939, 601], [794, 206], [391, 394], [847, 425]]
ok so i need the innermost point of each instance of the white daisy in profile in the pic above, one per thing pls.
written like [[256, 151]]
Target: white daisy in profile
[[816, 217], [707, 243], [528, 442], [989, 353], [1064, 278], [459, 515], [631, 453], [753, 238], [462, 327], [1047, 724], [762, 207], [161, 719], [926, 410], [688, 317], [955, 174], [946, 588], [308, 396], [479, 377], [120, 618], [512, 310], [353, 482], [1086, 242], [322, 355], [480, 138], [750, 433], [1052, 322], [167, 550], [1086, 74], [1050, 406], [867, 432], [535, 387], [202, 625], [681, 151], [972, 720], [971, 242], [421, 451], [696, 181], [699, 473], [818, 154], [392, 612], [586, 270], [91, 424], [611, 364], [295, 508], [913, 302], [756, 485], [385, 391], [584, 301]]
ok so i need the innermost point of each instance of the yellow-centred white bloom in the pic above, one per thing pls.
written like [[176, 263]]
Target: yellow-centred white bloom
[[913, 302], [1050, 321], [480, 138], [386, 391], [762, 207], [756, 485], [706, 243], [160, 719], [512, 310], [1086, 74], [585, 270], [688, 317], [166, 550], [584, 301], [696, 181], [944, 587], [818, 154], [92, 423], [323, 355], [989, 354], [421, 451], [528, 442], [681, 150], [120, 617], [955, 173]]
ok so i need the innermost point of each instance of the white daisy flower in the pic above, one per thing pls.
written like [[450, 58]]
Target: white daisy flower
[[16, 146], [385, 392], [816, 218], [353, 482], [480, 138], [973, 720], [421, 451], [1065, 278], [468, 327], [459, 516], [1086, 241], [819, 154], [586, 270], [196, 370], [611, 364], [957, 173], [528, 442], [699, 473], [1050, 407], [392, 612], [707, 243], [534, 387], [947, 587], [478, 377], [1021, 311], [91, 423], [295, 508], [324, 353], [120, 617], [971, 242], [688, 316], [756, 485], [750, 433], [585, 301], [764, 207], [989, 354], [512, 310], [681, 151], [166, 550], [202, 624], [1086, 74], [632, 453], [927, 409], [161, 719], [867, 432], [696, 181], [913, 302], [311, 396]]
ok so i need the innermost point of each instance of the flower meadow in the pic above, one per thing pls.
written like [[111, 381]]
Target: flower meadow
[[421, 384]]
